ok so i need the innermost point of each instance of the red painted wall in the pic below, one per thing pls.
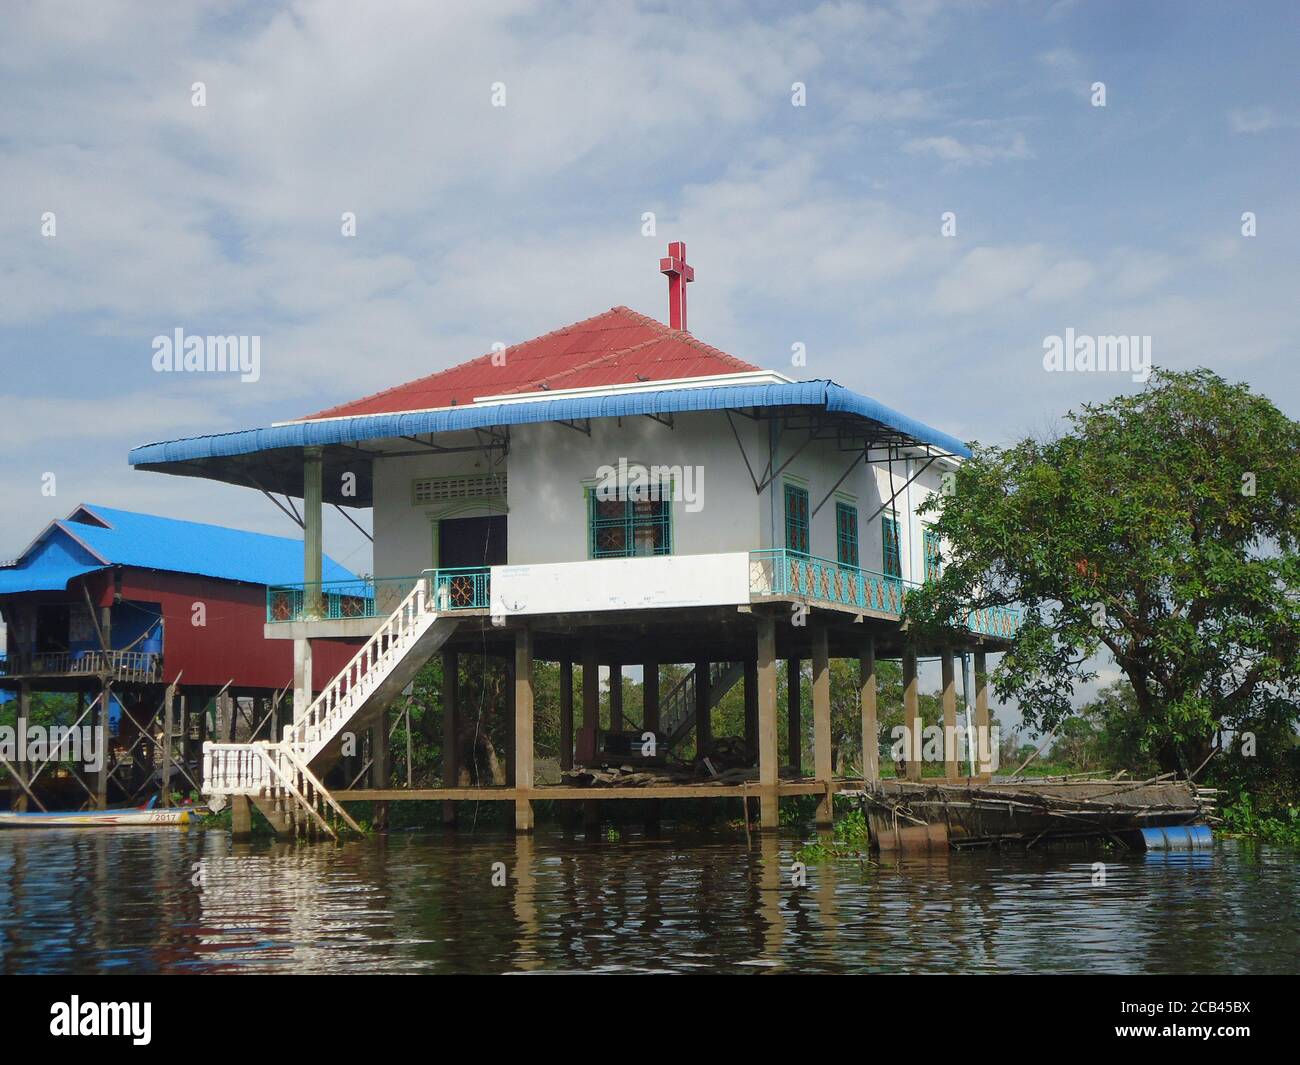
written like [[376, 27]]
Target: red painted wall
[[230, 644]]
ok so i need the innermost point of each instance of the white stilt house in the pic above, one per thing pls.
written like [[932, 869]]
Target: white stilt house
[[615, 492]]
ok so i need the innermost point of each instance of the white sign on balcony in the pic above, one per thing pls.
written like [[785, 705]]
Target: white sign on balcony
[[622, 584]]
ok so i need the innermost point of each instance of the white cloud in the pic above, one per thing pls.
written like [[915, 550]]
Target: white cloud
[[958, 153], [35, 422], [1257, 120], [996, 277]]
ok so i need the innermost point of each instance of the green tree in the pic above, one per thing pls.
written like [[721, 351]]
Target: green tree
[[1161, 527]]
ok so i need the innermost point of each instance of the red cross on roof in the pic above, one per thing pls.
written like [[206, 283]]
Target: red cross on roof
[[678, 276]]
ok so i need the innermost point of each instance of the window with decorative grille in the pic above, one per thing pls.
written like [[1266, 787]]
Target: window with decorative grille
[[933, 556], [622, 528], [796, 518], [846, 534], [891, 560]]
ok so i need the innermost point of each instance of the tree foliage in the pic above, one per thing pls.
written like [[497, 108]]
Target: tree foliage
[[1160, 527]]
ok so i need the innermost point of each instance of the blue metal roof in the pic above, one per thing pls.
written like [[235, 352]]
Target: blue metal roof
[[825, 394], [48, 565], [70, 548]]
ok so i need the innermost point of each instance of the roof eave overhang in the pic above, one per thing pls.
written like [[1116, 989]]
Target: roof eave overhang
[[270, 459]]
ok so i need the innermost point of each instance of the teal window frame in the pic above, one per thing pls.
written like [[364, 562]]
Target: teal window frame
[[891, 555], [613, 524], [846, 535], [798, 527], [933, 555]]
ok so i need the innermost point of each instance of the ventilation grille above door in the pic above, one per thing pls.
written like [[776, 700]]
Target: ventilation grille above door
[[471, 486]]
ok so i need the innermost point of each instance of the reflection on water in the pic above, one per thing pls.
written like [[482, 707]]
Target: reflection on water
[[175, 901]]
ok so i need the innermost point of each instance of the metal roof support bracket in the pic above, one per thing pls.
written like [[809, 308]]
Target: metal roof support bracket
[[914, 476], [838, 483]]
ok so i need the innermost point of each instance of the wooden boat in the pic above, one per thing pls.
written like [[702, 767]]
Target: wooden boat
[[135, 816]]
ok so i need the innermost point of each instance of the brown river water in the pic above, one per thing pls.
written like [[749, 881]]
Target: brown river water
[[180, 901]]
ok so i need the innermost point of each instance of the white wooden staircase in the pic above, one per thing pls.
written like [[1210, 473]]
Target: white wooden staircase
[[283, 779]]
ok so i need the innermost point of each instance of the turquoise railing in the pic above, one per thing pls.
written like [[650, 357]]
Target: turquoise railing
[[779, 571], [462, 588], [359, 597], [1000, 621], [782, 572]]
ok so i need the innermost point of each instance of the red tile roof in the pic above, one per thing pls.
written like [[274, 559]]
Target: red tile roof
[[617, 347]]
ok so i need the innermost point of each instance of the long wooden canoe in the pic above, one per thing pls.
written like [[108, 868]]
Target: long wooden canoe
[[179, 815]]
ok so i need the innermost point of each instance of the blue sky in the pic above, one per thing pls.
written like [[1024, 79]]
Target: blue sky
[[816, 224]]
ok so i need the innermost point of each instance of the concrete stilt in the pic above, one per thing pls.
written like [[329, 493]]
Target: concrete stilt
[[450, 731], [793, 724], [313, 549], [523, 726], [302, 683], [650, 696], [590, 713], [867, 698], [703, 717], [616, 697], [566, 715], [821, 692], [380, 767], [241, 817], [950, 770], [911, 712], [765, 692], [650, 723], [984, 738], [751, 703], [510, 721]]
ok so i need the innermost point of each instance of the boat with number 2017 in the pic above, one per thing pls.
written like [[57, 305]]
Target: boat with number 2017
[[134, 817]]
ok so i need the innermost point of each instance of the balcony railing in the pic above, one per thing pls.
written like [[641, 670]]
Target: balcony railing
[[463, 588], [782, 572], [143, 666], [1000, 621], [361, 597], [776, 572]]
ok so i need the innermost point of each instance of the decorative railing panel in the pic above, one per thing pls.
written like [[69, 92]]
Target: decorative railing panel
[[374, 597], [1000, 621], [786, 573], [780, 572], [464, 588]]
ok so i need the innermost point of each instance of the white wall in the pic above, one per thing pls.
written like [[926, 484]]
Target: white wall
[[550, 466], [404, 538]]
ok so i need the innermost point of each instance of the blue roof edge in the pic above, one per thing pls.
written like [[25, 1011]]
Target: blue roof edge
[[125, 541], [819, 393]]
